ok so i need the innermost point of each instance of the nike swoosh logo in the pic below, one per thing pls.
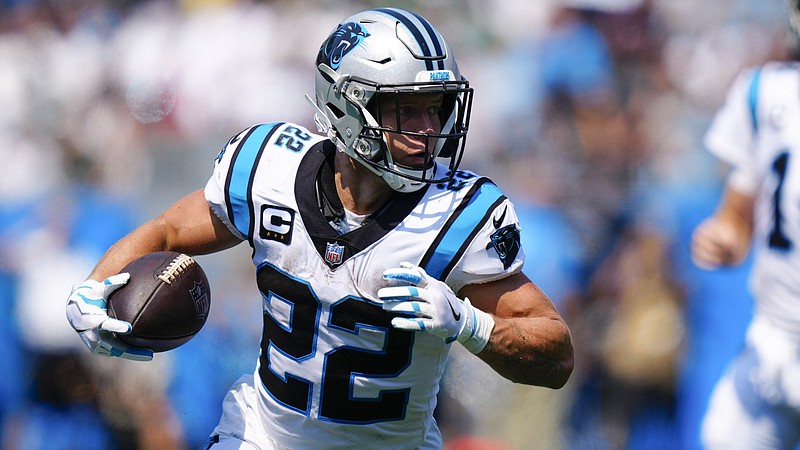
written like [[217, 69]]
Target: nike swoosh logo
[[453, 310], [236, 139], [498, 222]]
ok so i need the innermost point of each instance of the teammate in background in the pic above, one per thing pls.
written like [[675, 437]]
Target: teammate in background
[[756, 404], [374, 253]]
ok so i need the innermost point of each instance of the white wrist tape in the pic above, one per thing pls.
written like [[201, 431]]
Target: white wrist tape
[[477, 329]]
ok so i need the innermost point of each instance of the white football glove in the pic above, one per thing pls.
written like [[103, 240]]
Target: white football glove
[[87, 313], [430, 305]]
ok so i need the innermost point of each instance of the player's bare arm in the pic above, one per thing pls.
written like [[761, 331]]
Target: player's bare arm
[[530, 343], [724, 238], [188, 226]]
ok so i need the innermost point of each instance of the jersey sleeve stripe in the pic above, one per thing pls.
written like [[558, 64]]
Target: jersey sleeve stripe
[[238, 186], [752, 98], [461, 228], [227, 190]]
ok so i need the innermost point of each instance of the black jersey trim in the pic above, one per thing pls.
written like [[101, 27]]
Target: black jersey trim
[[241, 175], [461, 228], [322, 234]]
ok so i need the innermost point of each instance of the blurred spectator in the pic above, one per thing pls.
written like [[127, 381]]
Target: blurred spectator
[[585, 139], [631, 325], [14, 384], [62, 411]]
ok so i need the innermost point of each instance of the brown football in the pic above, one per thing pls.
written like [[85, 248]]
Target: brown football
[[166, 300]]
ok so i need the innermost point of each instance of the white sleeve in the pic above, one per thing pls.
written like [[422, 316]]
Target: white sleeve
[[733, 132], [743, 181], [494, 253], [215, 190]]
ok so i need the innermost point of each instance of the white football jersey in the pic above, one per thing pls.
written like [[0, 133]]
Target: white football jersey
[[758, 132], [333, 372]]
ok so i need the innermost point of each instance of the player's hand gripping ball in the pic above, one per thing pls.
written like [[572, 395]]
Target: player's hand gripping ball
[[166, 301], [87, 313]]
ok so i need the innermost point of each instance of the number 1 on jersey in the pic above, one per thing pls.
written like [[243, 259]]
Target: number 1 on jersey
[[777, 238]]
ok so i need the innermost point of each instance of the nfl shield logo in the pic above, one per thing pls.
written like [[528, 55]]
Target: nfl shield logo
[[334, 253], [200, 299]]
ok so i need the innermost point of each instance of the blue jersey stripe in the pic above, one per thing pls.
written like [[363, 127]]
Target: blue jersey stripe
[[752, 98], [229, 177], [240, 177], [459, 231]]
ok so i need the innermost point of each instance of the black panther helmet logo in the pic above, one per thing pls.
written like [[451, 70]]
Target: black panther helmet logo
[[346, 37]]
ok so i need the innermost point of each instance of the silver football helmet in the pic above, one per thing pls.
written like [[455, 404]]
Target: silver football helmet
[[378, 55]]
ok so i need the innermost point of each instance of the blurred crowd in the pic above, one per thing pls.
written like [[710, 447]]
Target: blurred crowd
[[589, 114]]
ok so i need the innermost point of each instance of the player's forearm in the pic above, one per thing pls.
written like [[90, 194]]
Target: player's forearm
[[535, 351], [736, 211], [147, 238], [188, 226]]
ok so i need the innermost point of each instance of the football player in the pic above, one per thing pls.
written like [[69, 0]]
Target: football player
[[374, 252], [756, 404]]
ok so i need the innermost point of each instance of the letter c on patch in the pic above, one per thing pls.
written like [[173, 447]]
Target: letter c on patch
[[277, 223]]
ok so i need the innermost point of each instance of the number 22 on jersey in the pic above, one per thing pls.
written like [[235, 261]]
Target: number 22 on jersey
[[294, 338]]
